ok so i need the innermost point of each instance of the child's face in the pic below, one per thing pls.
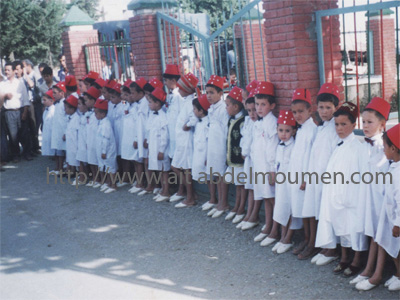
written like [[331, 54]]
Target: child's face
[[212, 95], [69, 110], [390, 152], [231, 108], [300, 112], [170, 83], [326, 110], [343, 126], [251, 110], [126, 96], [82, 107], [99, 114], [263, 107], [154, 105], [89, 101], [105, 93], [198, 112], [135, 95], [82, 86], [57, 94], [115, 98], [47, 101], [285, 132], [86, 84], [183, 93], [48, 78], [371, 124]]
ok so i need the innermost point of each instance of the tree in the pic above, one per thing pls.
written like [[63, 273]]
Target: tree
[[30, 29], [88, 6]]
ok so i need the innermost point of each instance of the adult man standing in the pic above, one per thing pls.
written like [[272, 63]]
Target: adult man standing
[[63, 68], [15, 97]]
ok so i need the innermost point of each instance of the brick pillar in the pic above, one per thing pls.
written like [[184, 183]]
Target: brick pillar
[[248, 31], [73, 39], [292, 46], [144, 38], [388, 48]]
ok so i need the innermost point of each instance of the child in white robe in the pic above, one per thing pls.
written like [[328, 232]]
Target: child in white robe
[[59, 125], [71, 132], [81, 154], [48, 114]]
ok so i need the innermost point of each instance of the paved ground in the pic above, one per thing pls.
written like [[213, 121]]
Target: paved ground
[[58, 242]]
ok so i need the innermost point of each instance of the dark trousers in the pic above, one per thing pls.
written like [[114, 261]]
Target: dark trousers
[[4, 155], [24, 134]]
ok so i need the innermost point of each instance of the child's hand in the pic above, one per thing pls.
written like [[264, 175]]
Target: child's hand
[[135, 145], [63, 138], [396, 231], [303, 186], [271, 178], [103, 156], [145, 145], [160, 156], [185, 128]]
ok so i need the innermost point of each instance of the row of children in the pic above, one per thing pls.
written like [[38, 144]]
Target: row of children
[[138, 128]]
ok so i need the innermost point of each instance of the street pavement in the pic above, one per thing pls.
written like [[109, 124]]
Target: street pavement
[[63, 242]]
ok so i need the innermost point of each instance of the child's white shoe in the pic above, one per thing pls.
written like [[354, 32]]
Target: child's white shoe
[[135, 190], [315, 258], [162, 198], [230, 215], [267, 241], [104, 187], [90, 183], [175, 197], [284, 248], [211, 212], [237, 219], [239, 226], [358, 278], [143, 192], [110, 190], [260, 237], [96, 185], [121, 184], [207, 206], [276, 246], [395, 285], [156, 190], [389, 281]]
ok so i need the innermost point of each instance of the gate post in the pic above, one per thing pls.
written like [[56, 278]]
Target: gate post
[[78, 31], [144, 38]]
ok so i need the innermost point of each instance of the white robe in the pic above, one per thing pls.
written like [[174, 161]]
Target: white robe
[[48, 115], [91, 134], [390, 214], [324, 144], [174, 105], [106, 144], [71, 136], [115, 117], [59, 126], [81, 155], [340, 200], [263, 153], [183, 155], [140, 132], [245, 144], [158, 141], [129, 133], [217, 136], [200, 138], [371, 195], [299, 163]]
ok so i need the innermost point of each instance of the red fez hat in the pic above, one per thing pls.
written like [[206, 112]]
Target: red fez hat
[[70, 80], [73, 100], [141, 82], [155, 83], [251, 86], [217, 81], [252, 93], [50, 94], [349, 108], [101, 104], [188, 83], [172, 70], [204, 102], [117, 88], [100, 81], [329, 88], [265, 88], [394, 135], [302, 94], [127, 83], [286, 117], [93, 92], [159, 94], [380, 105], [110, 84], [61, 86], [92, 75], [236, 94]]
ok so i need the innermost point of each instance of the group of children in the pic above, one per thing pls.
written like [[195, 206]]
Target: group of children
[[103, 127]]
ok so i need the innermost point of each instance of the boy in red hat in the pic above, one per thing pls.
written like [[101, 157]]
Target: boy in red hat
[[388, 230], [71, 85], [216, 147], [263, 149], [81, 154], [59, 125], [322, 148], [71, 132], [157, 142], [301, 108], [182, 159], [106, 148], [341, 193], [48, 114]]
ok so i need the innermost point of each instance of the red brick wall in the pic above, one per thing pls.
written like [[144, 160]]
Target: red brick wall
[[292, 47], [73, 42]]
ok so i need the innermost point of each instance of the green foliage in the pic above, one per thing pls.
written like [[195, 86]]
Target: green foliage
[[88, 6], [29, 29]]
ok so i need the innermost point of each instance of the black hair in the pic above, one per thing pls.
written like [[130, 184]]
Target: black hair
[[109, 90], [10, 64], [28, 62], [271, 99], [156, 99], [69, 105], [377, 114], [148, 88], [196, 104], [185, 57], [125, 89], [18, 63], [114, 92], [138, 89], [56, 87], [82, 100], [218, 89], [232, 71], [103, 111], [89, 96], [60, 56], [47, 71], [169, 76], [345, 113], [90, 80], [250, 100], [386, 139], [43, 65], [72, 88], [96, 85], [308, 105], [326, 97], [235, 102]]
